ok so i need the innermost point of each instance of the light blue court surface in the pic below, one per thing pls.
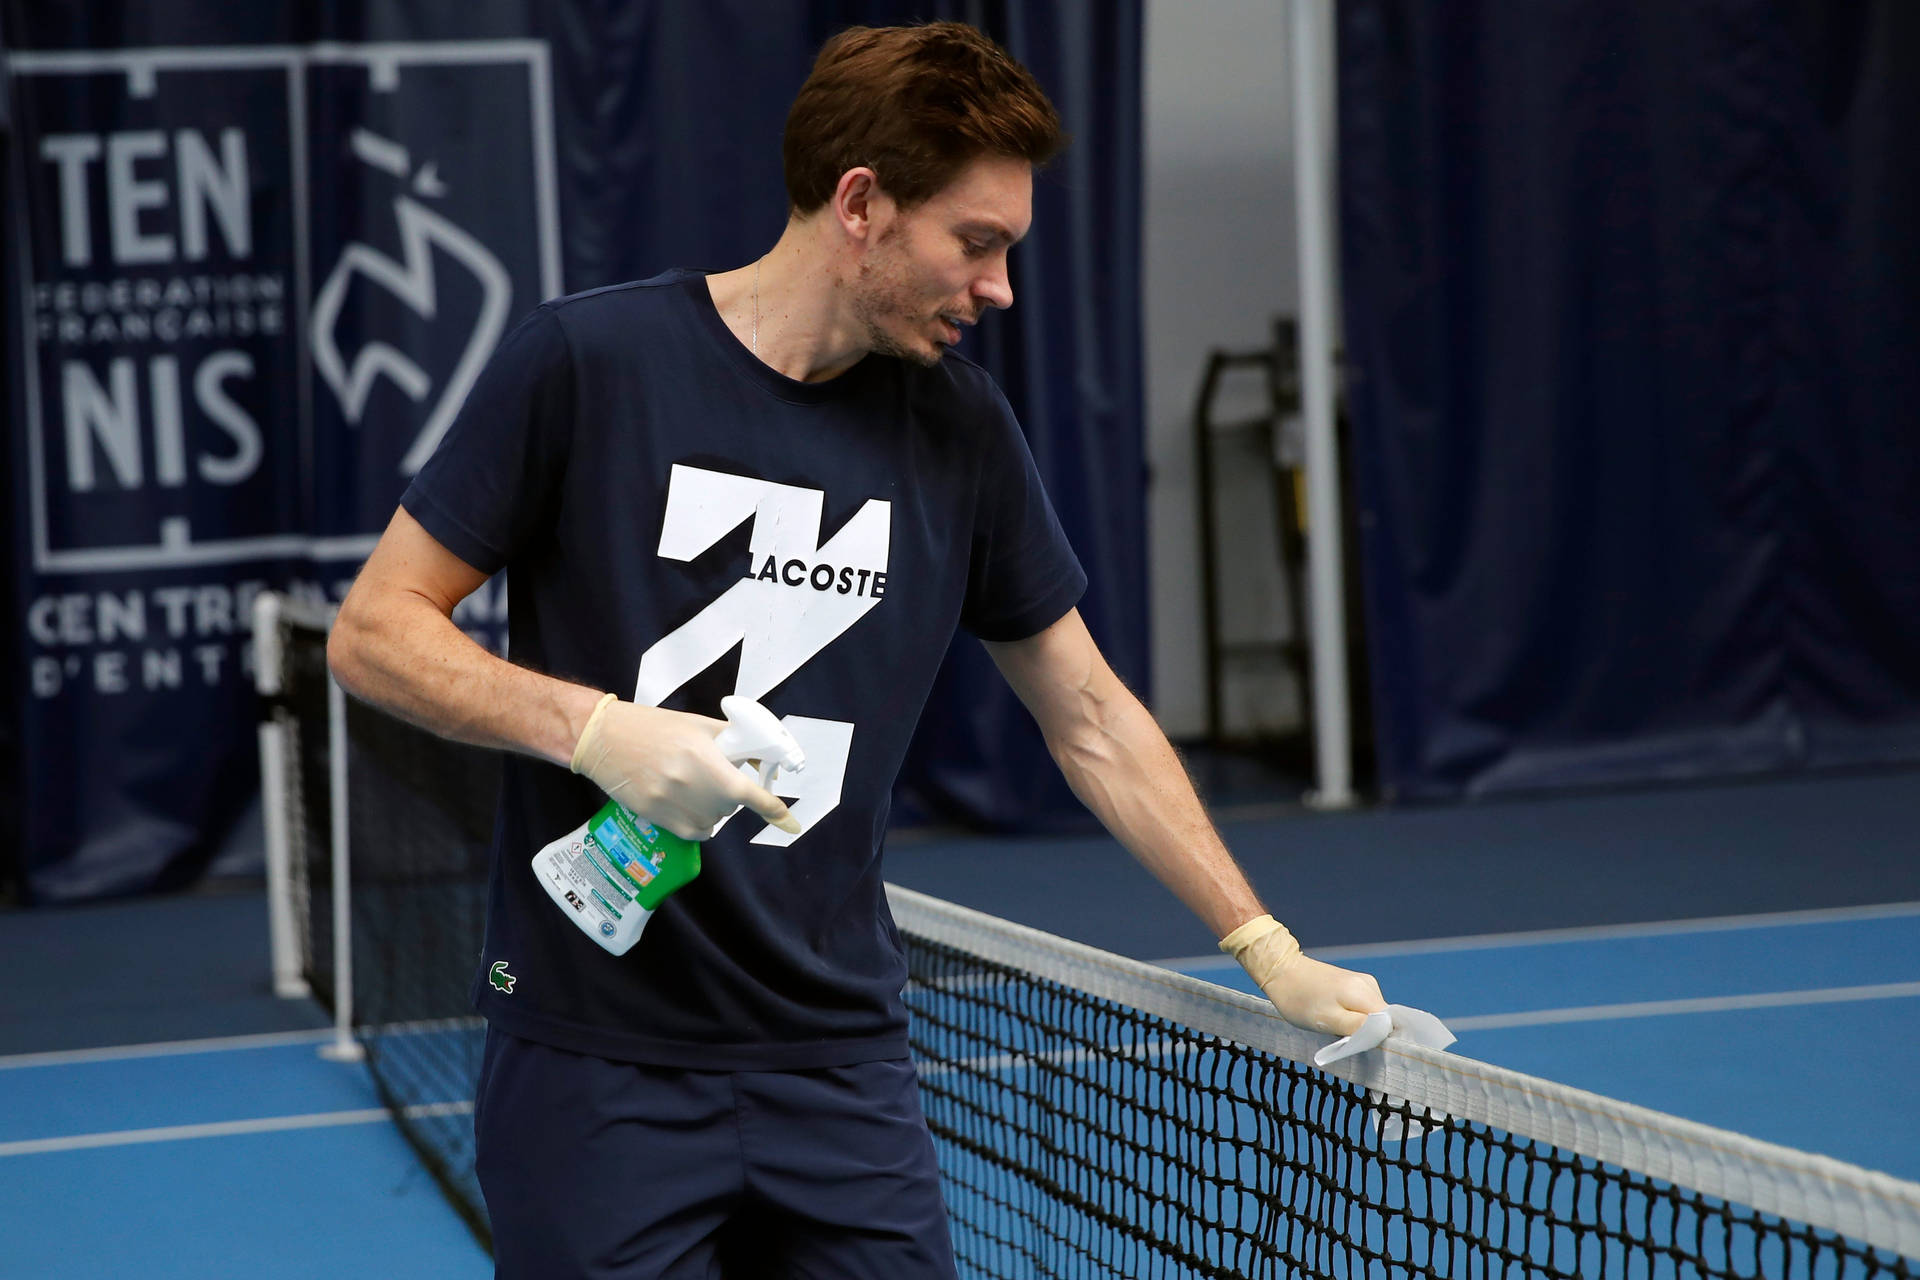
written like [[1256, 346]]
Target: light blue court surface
[[257, 1157], [72, 1097], [249, 1161]]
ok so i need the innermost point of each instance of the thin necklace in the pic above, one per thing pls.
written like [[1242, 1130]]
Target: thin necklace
[[756, 308]]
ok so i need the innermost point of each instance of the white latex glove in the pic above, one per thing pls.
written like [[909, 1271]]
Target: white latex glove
[[1309, 994], [664, 767]]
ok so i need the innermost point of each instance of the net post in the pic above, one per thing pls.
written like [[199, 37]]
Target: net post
[[267, 681], [343, 1047], [1332, 716]]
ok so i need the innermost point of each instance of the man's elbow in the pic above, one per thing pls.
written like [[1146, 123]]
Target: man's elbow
[[354, 637], [1107, 727], [345, 650], [1085, 739]]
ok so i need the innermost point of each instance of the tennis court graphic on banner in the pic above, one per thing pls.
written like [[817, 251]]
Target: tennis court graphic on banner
[[256, 284]]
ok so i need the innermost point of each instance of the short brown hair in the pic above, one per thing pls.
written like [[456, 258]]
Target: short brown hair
[[916, 105]]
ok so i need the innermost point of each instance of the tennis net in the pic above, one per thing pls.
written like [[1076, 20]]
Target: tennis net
[[1098, 1116], [1095, 1116], [378, 836]]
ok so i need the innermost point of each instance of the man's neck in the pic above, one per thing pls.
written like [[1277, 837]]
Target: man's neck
[[789, 310]]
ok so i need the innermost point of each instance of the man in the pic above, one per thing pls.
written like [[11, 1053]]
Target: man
[[774, 482]]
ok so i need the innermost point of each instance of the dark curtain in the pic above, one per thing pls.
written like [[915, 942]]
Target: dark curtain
[[1632, 299], [1069, 355], [665, 121], [12, 686]]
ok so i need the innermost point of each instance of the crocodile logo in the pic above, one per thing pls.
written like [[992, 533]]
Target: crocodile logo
[[502, 980]]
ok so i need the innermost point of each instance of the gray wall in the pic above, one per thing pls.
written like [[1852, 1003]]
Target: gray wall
[[1220, 264]]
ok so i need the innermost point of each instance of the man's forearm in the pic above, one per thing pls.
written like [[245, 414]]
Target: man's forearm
[[408, 658], [1122, 767]]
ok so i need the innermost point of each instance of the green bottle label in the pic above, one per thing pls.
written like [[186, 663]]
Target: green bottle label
[[652, 862]]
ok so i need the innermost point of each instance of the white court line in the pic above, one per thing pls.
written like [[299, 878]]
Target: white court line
[[221, 1044], [1197, 965], [161, 1049], [223, 1129], [1702, 1004]]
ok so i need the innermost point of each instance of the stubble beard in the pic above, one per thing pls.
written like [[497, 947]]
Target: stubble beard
[[881, 295]]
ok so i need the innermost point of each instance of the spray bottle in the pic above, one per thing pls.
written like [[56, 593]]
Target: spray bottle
[[612, 871]]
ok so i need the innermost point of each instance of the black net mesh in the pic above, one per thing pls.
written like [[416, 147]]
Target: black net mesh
[[1083, 1138], [420, 822], [421, 818]]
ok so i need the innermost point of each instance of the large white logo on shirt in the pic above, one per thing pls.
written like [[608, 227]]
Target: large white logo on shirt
[[797, 597]]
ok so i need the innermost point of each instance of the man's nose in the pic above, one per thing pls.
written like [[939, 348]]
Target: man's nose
[[994, 288]]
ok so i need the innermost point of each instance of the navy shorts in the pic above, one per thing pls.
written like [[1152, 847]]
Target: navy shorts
[[612, 1170]]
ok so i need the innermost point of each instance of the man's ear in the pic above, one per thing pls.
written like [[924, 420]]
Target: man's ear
[[860, 205]]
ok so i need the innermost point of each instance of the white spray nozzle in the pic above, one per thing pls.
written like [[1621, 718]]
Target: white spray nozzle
[[754, 733]]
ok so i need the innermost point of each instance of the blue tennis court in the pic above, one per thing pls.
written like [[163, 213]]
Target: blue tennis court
[[253, 1154], [240, 1158]]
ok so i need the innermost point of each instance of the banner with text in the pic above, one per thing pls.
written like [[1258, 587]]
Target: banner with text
[[257, 283]]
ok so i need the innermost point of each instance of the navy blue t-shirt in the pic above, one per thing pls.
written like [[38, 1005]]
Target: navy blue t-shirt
[[680, 522]]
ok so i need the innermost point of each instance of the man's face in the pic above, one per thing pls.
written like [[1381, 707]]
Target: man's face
[[941, 264]]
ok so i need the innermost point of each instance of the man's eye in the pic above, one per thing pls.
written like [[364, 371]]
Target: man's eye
[[974, 248]]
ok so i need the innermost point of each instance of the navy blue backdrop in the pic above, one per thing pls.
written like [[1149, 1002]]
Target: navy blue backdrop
[[1632, 297], [211, 244]]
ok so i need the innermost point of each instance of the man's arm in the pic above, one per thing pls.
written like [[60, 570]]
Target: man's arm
[[395, 645], [1122, 767]]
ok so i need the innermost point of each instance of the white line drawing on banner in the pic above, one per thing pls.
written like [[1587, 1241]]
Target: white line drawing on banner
[[412, 281]]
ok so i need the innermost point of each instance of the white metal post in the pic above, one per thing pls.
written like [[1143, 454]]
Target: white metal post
[[288, 983], [1312, 82], [343, 1047]]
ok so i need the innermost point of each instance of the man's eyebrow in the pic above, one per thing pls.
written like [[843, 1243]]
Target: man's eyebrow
[[991, 230]]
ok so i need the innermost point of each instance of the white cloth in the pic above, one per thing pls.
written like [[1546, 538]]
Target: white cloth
[[1402, 1020], [1396, 1020]]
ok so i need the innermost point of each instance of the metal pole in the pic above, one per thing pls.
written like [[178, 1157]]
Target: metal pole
[[343, 1047], [1332, 734], [284, 942]]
